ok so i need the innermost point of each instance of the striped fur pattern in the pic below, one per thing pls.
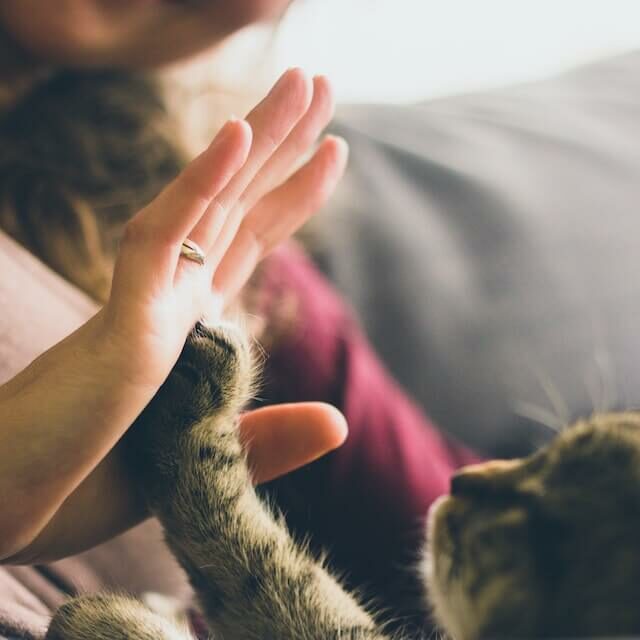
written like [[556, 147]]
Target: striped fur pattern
[[252, 580], [540, 547], [547, 546]]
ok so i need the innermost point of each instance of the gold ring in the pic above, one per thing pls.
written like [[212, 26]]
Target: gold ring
[[191, 251]]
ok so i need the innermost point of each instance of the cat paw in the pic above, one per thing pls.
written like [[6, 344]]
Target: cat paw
[[214, 371], [212, 376], [111, 616], [203, 394]]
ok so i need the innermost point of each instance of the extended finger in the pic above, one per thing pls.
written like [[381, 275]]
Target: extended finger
[[150, 247], [297, 143], [279, 214], [275, 170], [284, 437], [271, 122]]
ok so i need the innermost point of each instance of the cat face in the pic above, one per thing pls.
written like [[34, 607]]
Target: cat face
[[544, 546]]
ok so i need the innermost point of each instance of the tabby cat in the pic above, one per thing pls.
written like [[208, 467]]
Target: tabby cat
[[545, 546], [540, 547]]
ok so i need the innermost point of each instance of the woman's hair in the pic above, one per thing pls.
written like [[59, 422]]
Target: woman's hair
[[81, 153]]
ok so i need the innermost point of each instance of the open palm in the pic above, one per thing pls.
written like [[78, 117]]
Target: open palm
[[236, 200]]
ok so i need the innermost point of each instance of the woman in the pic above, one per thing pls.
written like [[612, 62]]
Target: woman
[[236, 201], [113, 365]]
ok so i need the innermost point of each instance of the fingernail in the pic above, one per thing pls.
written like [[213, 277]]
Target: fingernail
[[285, 76], [340, 141], [222, 133], [225, 131]]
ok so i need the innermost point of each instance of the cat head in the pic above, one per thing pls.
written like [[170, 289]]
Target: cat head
[[548, 545]]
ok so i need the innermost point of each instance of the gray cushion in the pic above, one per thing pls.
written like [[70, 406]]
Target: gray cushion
[[490, 243]]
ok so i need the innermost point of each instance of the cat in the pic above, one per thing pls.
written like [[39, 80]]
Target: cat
[[538, 547], [542, 546], [546, 546]]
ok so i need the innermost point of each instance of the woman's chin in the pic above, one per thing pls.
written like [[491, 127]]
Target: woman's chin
[[127, 33]]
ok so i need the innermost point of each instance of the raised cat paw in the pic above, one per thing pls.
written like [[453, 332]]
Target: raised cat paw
[[216, 368], [251, 578], [199, 400]]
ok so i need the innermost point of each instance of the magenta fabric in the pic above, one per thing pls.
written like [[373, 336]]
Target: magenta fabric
[[365, 503]]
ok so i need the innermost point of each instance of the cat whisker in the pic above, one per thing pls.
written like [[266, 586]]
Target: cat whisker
[[601, 385], [540, 415], [554, 396]]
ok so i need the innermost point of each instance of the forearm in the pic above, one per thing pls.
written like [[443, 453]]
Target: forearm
[[66, 411], [104, 505], [58, 419]]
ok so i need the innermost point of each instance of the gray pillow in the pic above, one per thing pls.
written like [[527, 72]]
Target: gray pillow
[[491, 245]]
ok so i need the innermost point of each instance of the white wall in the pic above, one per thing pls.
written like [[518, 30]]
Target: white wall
[[395, 50]]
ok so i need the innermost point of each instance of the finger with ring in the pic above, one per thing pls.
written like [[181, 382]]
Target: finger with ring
[[192, 251]]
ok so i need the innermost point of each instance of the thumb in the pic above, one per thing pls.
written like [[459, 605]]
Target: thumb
[[283, 437]]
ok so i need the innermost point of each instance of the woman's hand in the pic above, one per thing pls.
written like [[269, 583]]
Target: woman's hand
[[236, 202], [62, 416], [279, 439]]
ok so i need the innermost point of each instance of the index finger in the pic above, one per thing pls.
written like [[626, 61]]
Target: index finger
[[150, 247], [271, 122], [179, 207]]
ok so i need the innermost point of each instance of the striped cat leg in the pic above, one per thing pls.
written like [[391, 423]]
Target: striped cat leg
[[111, 617], [254, 582]]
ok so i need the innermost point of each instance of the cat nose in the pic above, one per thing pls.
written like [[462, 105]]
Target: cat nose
[[480, 478]]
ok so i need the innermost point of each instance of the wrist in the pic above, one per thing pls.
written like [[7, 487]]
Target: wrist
[[62, 415], [114, 359]]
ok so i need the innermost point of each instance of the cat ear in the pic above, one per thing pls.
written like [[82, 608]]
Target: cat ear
[[496, 477], [487, 477]]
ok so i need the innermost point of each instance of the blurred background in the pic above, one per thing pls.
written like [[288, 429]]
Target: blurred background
[[403, 50]]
